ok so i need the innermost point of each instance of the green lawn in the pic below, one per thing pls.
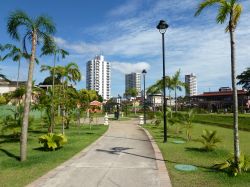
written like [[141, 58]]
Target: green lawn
[[8, 110], [14, 173], [224, 120], [189, 154]]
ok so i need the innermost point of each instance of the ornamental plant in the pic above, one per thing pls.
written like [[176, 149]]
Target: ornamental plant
[[52, 141]]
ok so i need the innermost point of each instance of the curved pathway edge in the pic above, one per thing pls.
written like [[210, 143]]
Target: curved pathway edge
[[162, 170]]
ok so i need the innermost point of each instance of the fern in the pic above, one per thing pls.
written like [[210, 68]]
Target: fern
[[209, 140]]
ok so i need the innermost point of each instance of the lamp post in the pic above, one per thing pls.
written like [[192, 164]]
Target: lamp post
[[118, 107], [162, 27], [144, 98]]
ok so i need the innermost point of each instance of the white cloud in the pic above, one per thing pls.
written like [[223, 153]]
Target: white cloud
[[125, 9], [197, 45], [126, 68]]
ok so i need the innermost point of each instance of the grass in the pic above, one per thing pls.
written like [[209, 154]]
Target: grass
[[224, 120], [14, 173], [190, 153], [6, 110]]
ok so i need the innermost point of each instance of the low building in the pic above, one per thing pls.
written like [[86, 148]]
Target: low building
[[7, 85], [221, 100]]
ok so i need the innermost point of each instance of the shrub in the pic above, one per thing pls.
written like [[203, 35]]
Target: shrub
[[231, 167], [209, 140], [2, 100], [52, 141]]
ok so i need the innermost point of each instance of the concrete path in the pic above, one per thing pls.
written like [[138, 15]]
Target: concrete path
[[124, 156]]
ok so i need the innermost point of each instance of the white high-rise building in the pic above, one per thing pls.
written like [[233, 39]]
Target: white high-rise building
[[99, 76], [133, 80], [191, 82]]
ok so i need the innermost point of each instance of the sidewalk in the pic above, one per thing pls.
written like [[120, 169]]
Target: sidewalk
[[123, 157]]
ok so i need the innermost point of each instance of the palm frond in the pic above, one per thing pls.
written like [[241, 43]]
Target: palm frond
[[237, 9], [16, 19], [45, 24], [224, 11], [205, 4]]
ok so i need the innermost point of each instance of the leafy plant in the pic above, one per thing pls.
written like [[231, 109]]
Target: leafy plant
[[187, 119], [2, 100], [209, 140], [52, 141], [234, 168]]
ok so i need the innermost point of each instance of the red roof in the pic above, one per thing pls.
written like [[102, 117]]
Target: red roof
[[95, 103], [222, 93]]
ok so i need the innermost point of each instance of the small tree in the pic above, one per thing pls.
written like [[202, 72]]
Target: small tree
[[133, 93]]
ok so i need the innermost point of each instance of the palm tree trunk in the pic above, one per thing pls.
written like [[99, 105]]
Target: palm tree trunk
[[63, 109], [170, 100], [53, 95], [175, 99], [235, 97], [24, 132], [18, 74], [17, 84]]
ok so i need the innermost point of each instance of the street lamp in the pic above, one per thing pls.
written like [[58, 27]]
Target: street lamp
[[162, 27], [118, 107], [144, 98]]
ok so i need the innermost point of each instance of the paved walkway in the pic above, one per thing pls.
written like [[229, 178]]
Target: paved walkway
[[124, 156]]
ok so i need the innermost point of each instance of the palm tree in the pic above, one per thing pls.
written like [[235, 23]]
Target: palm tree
[[16, 54], [50, 48], [37, 30], [177, 84], [231, 9], [158, 87], [68, 73]]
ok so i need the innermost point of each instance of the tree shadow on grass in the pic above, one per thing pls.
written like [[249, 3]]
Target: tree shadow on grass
[[9, 138], [9, 154], [195, 149], [38, 131]]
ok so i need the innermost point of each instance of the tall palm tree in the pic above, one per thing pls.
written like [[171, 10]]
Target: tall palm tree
[[229, 9], [36, 31], [177, 84], [50, 48]]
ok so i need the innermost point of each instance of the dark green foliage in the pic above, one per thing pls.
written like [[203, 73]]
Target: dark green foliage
[[209, 140], [52, 141], [244, 79], [49, 81], [231, 167]]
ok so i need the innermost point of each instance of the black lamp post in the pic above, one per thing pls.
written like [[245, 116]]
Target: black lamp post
[[162, 27], [144, 95], [118, 106]]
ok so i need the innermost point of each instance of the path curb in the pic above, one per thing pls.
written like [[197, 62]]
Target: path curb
[[38, 182], [162, 170]]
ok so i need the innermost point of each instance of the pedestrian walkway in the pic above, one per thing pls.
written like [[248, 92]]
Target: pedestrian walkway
[[123, 157]]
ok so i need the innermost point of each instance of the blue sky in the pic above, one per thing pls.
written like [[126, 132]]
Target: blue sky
[[124, 31]]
